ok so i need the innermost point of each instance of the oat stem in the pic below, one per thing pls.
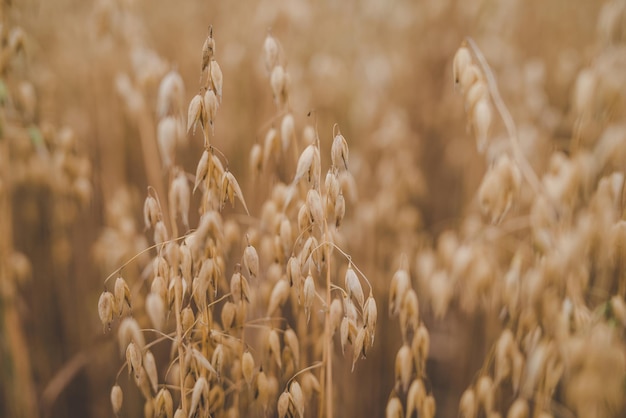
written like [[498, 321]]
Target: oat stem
[[518, 155]]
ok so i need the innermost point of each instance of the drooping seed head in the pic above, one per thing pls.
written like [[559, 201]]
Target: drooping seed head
[[164, 404], [279, 295], [151, 212], [247, 367], [155, 307], [339, 152], [270, 49], [353, 286], [415, 397], [229, 311], [295, 390], [309, 295], [468, 405], [106, 305], [291, 341], [404, 367], [167, 138], [519, 409], [462, 59], [217, 79], [394, 408], [251, 261], [195, 113], [149, 364], [287, 131], [117, 397]]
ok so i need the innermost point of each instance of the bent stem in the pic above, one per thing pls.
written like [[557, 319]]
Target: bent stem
[[518, 155]]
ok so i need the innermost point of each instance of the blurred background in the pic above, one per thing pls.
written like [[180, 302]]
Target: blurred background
[[78, 93]]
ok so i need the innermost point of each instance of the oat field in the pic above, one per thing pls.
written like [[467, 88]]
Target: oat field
[[378, 208]]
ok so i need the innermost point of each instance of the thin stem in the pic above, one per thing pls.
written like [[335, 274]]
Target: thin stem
[[518, 155]]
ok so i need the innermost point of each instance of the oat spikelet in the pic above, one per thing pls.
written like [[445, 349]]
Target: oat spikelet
[[462, 59], [230, 188], [270, 49], [217, 79], [291, 341], [202, 170], [164, 404], [117, 397], [195, 113], [134, 359], [149, 364], [202, 361], [284, 405], [106, 305], [287, 131], [208, 49], [394, 408], [359, 346], [273, 343], [247, 367], [353, 286], [468, 406], [339, 152], [415, 397], [308, 165], [122, 294], [519, 409], [279, 296], [251, 260], [151, 212], [404, 367], [199, 395], [297, 397], [309, 296]]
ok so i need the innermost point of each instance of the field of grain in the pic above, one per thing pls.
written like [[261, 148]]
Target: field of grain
[[313, 209]]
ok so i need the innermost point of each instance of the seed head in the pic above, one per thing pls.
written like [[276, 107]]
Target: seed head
[[216, 79], [273, 344], [251, 261], [149, 364], [163, 404], [394, 408], [210, 106], [309, 296], [314, 206], [481, 120], [247, 367], [156, 310], [353, 286], [279, 296], [297, 397], [117, 398], [151, 212], [284, 405], [339, 152], [134, 359], [462, 59], [468, 406], [229, 310], [270, 49], [208, 49], [404, 367], [287, 131], [291, 341], [167, 138], [106, 305], [200, 395], [519, 409], [415, 397], [278, 81]]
